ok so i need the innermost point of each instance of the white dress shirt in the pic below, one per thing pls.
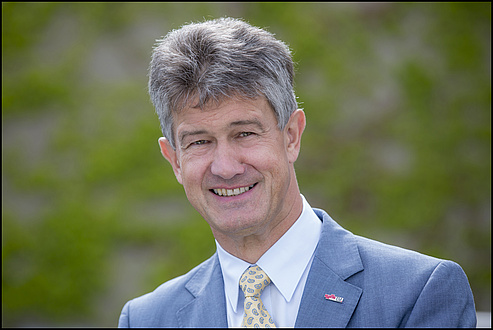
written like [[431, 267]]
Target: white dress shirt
[[287, 263]]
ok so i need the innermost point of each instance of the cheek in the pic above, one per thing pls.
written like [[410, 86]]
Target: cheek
[[193, 171], [269, 160]]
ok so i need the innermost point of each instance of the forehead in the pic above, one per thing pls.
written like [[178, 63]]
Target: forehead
[[224, 113]]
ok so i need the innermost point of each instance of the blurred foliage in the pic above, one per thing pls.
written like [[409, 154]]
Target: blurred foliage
[[397, 147]]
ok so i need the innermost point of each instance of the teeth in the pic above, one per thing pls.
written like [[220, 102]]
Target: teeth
[[232, 192]]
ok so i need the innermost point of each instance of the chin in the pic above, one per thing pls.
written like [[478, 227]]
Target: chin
[[241, 227]]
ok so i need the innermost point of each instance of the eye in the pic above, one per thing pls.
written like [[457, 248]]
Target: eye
[[199, 142], [245, 134], [196, 143]]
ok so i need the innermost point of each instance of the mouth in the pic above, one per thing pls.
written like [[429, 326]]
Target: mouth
[[232, 192]]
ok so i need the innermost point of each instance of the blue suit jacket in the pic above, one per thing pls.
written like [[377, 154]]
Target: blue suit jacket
[[381, 286]]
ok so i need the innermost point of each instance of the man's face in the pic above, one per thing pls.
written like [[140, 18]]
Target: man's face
[[236, 165]]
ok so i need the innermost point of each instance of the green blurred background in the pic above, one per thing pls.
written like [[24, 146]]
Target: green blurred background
[[397, 145]]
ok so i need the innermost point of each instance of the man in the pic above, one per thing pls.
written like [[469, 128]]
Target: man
[[223, 91]]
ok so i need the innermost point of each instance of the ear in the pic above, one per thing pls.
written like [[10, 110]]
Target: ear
[[170, 154], [293, 131]]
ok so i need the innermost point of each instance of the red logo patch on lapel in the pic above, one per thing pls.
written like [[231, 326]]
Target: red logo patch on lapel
[[333, 297]]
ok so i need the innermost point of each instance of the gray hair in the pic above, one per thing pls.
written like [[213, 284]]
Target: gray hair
[[217, 59]]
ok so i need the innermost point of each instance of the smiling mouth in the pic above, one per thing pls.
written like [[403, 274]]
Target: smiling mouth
[[232, 192]]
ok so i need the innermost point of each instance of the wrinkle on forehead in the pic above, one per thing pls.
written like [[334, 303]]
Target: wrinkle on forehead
[[195, 100]]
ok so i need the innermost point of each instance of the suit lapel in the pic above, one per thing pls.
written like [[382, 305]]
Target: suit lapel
[[208, 308], [317, 311], [336, 259]]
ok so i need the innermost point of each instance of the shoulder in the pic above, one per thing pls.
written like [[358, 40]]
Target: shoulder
[[378, 255], [159, 307], [374, 255], [385, 264], [400, 269]]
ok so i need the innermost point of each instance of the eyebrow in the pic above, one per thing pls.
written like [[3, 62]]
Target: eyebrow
[[254, 122], [185, 134]]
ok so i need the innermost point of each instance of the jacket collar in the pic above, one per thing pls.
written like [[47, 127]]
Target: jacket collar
[[206, 286], [336, 259]]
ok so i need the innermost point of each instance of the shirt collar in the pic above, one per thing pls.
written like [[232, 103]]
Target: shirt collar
[[232, 269], [277, 262]]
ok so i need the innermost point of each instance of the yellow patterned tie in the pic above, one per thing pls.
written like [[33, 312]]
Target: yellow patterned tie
[[252, 282]]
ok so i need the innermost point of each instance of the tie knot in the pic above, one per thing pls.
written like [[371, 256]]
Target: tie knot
[[253, 281]]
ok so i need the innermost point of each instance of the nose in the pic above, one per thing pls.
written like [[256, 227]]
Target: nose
[[226, 162]]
